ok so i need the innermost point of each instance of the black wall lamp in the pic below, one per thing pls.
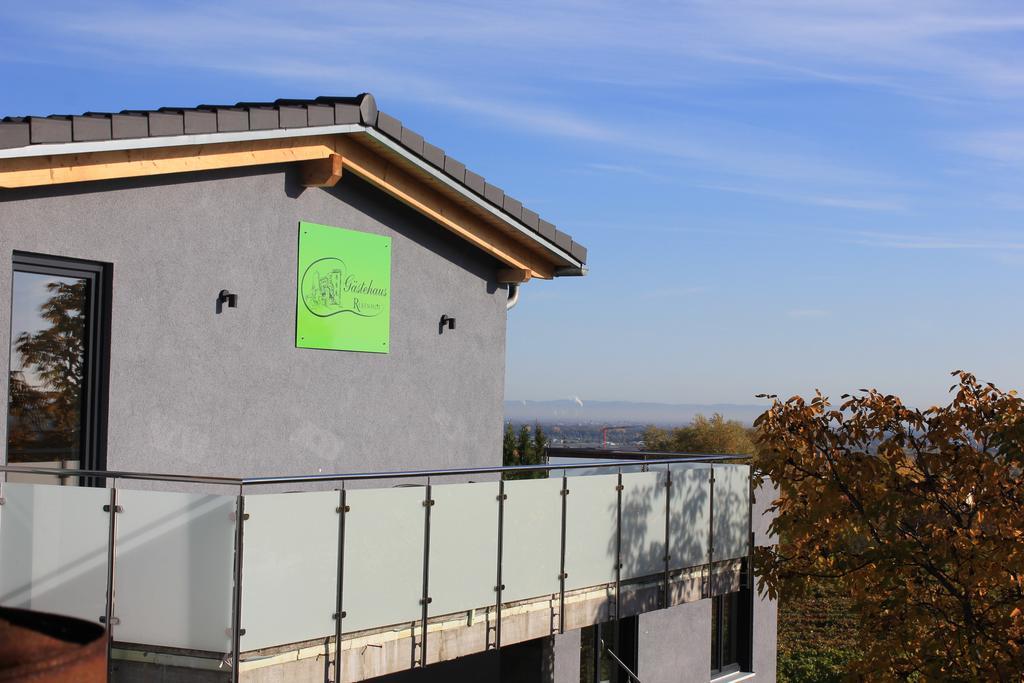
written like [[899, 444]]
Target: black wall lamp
[[226, 297], [446, 321]]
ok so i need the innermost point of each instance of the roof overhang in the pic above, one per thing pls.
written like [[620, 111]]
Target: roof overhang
[[361, 149]]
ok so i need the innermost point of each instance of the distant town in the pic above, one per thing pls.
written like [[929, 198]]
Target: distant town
[[614, 424]]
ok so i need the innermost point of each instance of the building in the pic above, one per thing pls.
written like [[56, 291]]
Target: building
[[227, 293]]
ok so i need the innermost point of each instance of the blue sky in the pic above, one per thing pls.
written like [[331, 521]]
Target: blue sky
[[776, 196]]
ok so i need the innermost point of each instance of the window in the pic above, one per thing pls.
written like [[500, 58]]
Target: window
[[731, 632], [599, 642], [56, 411]]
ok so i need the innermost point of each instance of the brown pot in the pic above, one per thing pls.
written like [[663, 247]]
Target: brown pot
[[40, 647]]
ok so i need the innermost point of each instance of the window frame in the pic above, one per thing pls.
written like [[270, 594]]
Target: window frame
[[96, 379], [740, 632]]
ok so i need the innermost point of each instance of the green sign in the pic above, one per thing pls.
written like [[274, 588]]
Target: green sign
[[344, 297]]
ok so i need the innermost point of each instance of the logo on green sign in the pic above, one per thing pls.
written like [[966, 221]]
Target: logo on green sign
[[329, 289], [344, 289]]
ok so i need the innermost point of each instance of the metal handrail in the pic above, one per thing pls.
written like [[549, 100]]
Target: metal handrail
[[622, 665], [358, 476]]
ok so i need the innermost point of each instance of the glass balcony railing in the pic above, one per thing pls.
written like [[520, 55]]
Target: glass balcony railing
[[226, 575]]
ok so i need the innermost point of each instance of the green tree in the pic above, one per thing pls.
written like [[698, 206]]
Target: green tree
[[508, 446], [714, 435], [525, 447]]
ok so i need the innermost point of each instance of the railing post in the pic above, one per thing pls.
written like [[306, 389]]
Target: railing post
[[750, 527], [668, 536], [711, 530], [428, 503], [339, 606], [108, 618], [618, 557], [236, 596], [561, 566], [499, 586]]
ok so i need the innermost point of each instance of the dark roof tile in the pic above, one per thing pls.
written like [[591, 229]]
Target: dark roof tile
[[320, 115], [531, 219], [261, 118], [455, 168], [433, 154], [50, 129], [412, 141], [129, 126], [164, 123], [494, 194], [475, 182], [293, 117], [563, 240], [14, 134], [90, 127], [514, 207], [578, 251], [389, 125], [546, 230]]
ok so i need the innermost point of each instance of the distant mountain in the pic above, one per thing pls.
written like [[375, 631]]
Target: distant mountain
[[624, 412]]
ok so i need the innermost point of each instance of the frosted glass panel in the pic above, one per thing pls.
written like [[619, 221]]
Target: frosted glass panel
[[590, 531], [732, 512], [290, 568], [53, 549], [173, 576], [690, 515], [643, 524], [531, 557], [463, 546], [383, 580]]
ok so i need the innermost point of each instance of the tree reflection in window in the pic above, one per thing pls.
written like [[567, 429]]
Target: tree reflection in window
[[48, 352]]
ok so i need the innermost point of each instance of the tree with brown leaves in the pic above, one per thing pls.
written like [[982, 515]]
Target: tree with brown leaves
[[917, 515]]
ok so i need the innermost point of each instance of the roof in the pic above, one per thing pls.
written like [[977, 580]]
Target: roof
[[26, 132]]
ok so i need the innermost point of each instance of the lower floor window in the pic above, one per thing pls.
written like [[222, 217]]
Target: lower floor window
[[608, 650], [731, 632]]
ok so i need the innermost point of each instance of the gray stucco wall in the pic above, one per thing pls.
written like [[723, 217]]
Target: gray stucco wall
[[196, 392], [675, 644]]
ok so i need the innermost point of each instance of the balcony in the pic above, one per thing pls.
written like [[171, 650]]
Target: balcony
[[404, 569]]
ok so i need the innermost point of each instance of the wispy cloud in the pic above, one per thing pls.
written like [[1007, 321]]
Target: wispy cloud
[[1002, 146], [860, 203], [889, 240]]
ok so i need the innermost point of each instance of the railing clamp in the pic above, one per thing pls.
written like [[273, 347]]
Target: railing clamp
[[339, 509], [426, 601], [499, 588], [503, 496], [563, 575], [114, 621], [2, 500], [564, 492], [241, 631], [233, 516], [619, 487], [335, 615], [428, 503], [117, 508]]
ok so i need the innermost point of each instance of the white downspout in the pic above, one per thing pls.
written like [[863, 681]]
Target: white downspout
[[513, 295]]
